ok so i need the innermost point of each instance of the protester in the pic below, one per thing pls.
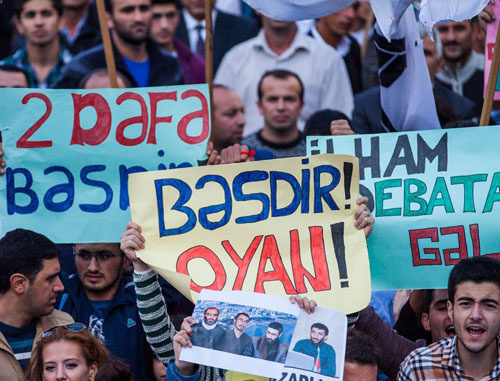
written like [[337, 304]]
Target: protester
[[80, 27], [281, 46], [334, 31], [164, 22], [67, 352], [101, 298], [474, 307], [228, 29], [463, 72], [29, 283], [42, 56], [361, 357], [13, 76], [136, 57], [207, 332], [281, 99]]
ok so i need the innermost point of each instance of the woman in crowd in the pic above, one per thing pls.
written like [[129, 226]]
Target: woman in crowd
[[69, 352]]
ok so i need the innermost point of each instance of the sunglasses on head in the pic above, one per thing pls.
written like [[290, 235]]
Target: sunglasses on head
[[73, 327]]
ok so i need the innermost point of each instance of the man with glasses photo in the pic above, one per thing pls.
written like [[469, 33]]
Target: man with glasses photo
[[98, 297]]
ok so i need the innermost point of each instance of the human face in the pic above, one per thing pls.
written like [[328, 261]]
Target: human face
[[241, 323], [278, 26], [100, 277], [272, 334], [42, 292], [437, 321], [229, 118], [211, 315], [102, 81], [280, 105], [39, 22], [196, 8], [160, 372], [12, 79], [456, 38], [340, 23], [318, 335], [360, 372], [476, 315], [63, 360], [164, 22], [130, 20]]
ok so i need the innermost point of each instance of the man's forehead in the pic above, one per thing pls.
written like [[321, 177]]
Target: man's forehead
[[478, 291], [97, 246], [50, 266], [38, 5], [226, 98], [12, 79], [130, 3], [453, 24], [163, 8]]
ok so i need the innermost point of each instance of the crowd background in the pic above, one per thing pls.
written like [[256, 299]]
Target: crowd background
[[275, 83]]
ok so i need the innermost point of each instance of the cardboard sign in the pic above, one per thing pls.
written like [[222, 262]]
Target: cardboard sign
[[435, 198], [282, 227], [69, 154], [491, 35]]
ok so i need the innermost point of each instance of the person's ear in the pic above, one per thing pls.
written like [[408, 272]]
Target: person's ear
[[450, 309], [93, 368], [109, 20], [425, 321], [259, 105], [325, 338], [19, 283], [19, 26]]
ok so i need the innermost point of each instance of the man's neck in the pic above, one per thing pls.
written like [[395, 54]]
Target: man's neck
[[134, 52], [330, 38], [169, 46], [10, 314], [279, 42], [43, 56], [72, 16], [237, 333], [479, 364], [280, 137]]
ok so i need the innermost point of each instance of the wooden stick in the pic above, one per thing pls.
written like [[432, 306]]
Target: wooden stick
[[209, 68], [366, 37], [106, 41], [491, 85]]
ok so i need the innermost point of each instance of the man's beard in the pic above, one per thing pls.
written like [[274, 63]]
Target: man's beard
[[268, 349], [129, 37], [209, 323]]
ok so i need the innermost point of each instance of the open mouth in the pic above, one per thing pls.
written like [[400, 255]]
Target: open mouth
[[475, 331], [450, 330]]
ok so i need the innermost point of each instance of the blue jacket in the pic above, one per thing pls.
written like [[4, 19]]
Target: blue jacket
[[122, 326]]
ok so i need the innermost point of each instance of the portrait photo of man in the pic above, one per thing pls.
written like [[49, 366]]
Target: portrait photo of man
[[269, 347], [207, 331]]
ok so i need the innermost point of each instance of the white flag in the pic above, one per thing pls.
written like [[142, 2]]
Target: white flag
[[387, 12], [406, 93]]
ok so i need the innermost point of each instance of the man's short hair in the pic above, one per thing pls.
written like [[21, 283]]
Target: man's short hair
[[361, 349], [103, 72], [280, 74], [23, 251], [276, 325], [211, 308], [242, 313], [15, 69], [165, 2], [476, 269], [19, 5], [319, 123], [321, 326]]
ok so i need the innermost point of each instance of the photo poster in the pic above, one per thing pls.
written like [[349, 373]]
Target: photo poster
[[249, 314], [285, 338], [69, 154], [281, 227], [317, 349], [491, 34], [435, 196]]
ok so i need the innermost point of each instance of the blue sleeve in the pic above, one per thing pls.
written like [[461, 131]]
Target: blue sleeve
[[173, 373], [330, 368]]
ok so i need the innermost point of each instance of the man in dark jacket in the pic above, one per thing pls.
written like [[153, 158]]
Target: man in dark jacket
[[98, 297], [136, 57]]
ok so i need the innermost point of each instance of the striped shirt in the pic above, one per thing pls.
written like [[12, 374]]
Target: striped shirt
[[20, 340], [321, 69], [439, 362]]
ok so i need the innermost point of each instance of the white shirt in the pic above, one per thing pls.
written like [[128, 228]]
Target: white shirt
[[343, 47], [191, 24], [320, 67]]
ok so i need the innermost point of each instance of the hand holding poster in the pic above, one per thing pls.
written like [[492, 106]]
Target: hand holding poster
[[435, 196], [69, 154], [282, 227], [240, 332]]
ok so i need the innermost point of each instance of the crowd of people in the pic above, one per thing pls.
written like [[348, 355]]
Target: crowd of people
[[94, 311]]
